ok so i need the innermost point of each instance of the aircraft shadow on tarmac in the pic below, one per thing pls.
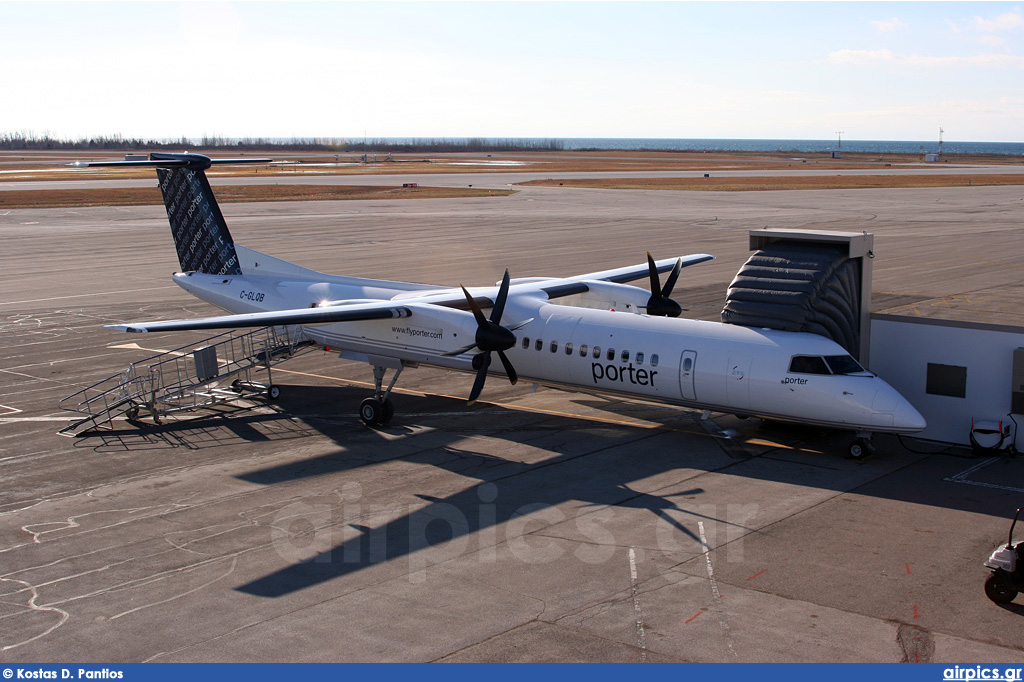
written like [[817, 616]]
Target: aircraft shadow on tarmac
[[215, 428], [598, 475]]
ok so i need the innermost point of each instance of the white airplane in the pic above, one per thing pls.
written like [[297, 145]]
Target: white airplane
[[590, 332]]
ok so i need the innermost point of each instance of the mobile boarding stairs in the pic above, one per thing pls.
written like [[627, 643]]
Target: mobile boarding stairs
[[221, 369]]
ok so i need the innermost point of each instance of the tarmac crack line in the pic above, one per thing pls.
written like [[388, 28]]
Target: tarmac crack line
[[152, 578], [231, 569], [72, 522], [32, 606]]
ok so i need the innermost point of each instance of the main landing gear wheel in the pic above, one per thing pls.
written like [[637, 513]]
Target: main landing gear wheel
[[373, 412], [378, 409], [273, 392], [860, 448]]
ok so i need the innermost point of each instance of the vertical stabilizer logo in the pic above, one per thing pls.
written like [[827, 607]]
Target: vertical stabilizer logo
[[200, 235]]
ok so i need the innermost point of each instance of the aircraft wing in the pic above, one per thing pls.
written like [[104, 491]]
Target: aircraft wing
[[577, 285], [383, 310], [342, 313]]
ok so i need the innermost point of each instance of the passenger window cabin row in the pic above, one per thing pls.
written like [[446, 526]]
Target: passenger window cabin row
[[595, 352]]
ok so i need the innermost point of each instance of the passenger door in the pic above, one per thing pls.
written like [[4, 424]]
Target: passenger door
[[687, 367]]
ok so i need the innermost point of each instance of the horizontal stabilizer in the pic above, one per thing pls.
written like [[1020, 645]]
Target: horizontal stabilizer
[[162, 160], [201, 235]]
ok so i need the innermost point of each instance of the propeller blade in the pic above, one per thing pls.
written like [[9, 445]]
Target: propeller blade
[[499, 302], [490, 336], [481, 375], [652, 270], [666, 290], [659, 304], [509, 369], [481, 321]]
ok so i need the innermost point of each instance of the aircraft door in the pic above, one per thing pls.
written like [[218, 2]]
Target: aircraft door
[[687, 367], [737, 380]]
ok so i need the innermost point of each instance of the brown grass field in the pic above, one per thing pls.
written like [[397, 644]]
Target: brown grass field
[[749, 184], [140, 196], [22, 167], [51, 166]]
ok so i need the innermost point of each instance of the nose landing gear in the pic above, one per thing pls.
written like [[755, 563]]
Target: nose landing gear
[[861, 446]]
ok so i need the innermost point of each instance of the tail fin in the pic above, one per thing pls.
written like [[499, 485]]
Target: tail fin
[[200, 233]]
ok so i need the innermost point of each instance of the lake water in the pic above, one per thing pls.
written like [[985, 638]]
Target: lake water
[[797, 146]]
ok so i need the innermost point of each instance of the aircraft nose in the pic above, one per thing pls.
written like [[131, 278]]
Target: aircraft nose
[[907, 418]]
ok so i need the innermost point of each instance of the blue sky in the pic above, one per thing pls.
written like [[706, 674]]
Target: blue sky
[[803, 70]]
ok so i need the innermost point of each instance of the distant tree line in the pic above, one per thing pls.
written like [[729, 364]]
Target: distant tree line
[[469, 144], [21, 140], [45, 141]]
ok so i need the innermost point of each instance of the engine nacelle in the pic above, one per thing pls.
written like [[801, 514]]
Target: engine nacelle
[[609, 296]]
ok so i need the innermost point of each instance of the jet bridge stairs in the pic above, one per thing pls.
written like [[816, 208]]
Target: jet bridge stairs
[[220, 369]]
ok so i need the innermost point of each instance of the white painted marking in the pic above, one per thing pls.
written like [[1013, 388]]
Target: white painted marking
[[32, 376], [135, 346], [707, 560], [962, 477], [98, 293], [641, 636], [714, 586], [10, 410], [15, 420]]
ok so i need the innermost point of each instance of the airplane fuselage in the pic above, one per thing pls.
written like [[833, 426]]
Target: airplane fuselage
[[606, 347]]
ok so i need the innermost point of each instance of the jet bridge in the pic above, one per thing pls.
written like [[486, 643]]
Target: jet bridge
[[807, 281], [220, 369]]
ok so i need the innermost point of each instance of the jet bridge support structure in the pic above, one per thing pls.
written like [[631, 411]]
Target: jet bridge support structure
[[807, 280], [220, 369]]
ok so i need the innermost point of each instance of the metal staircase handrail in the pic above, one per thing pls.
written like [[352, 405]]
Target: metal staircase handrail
[[171, 381]]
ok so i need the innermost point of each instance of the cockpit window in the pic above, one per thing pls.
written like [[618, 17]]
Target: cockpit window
[[808, 364], [843, 364], [830, 364]]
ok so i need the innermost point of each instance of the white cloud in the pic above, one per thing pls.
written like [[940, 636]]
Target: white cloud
[[889, 25], [868, 57], [1010, 21], [861, 56]]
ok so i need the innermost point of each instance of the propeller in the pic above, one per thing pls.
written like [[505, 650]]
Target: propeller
[[659, 304], [491, 337]]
